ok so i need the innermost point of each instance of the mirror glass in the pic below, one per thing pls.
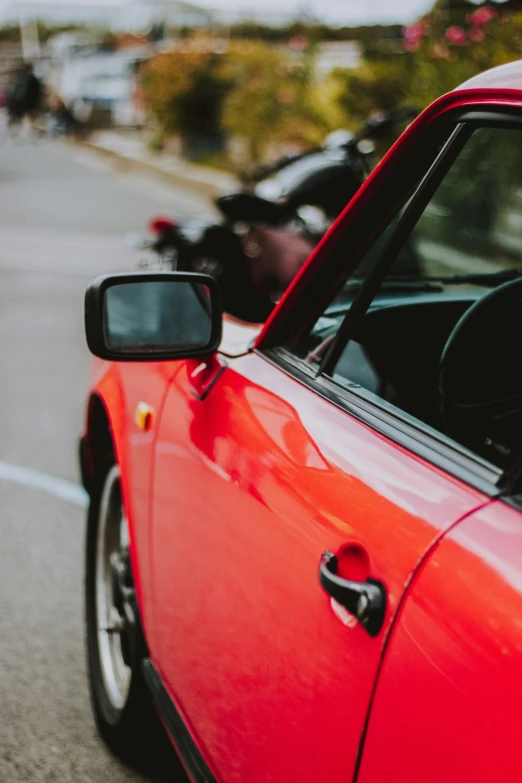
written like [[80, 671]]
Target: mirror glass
[[157, 317]]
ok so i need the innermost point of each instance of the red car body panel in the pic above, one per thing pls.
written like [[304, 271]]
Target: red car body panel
[[451, 677], [245, 479], [249, 490]]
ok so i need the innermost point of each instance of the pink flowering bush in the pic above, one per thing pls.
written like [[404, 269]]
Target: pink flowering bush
[[456, 35], [482, 16], [442, 50], [476, 34], [413, 34], [446, 48]]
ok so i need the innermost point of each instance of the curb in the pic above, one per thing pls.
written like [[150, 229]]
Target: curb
[[194, 180]]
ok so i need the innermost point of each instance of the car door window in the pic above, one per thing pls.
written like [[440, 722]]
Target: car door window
[[412, 348]]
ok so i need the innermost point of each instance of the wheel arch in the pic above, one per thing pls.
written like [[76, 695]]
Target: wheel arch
[[103, 430], [98, 444]]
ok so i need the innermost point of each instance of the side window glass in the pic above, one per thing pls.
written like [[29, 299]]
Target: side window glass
[[438, 340]]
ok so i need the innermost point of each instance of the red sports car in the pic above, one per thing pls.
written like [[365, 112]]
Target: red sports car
[[304, 541]]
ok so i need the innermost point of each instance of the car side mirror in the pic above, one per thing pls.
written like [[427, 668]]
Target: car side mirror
[[153, 316]]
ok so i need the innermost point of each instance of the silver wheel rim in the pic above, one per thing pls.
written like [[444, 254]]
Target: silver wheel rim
[[112, 541]]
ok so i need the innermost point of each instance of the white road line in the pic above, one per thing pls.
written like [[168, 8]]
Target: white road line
[[60, 488]]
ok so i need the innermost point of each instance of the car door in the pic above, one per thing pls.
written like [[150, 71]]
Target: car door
[[273, 677], [315, 443]]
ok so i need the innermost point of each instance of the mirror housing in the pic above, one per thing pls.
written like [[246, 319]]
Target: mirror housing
[[153, 316]]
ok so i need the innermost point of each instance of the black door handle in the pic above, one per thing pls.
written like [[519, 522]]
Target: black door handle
[[365, 600]]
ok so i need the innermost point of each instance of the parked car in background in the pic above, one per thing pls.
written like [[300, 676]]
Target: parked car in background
[[304, 543]]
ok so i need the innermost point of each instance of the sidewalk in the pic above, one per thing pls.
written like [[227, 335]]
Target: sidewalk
[[130, 150]]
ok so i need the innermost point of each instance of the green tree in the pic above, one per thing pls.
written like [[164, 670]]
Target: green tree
[[272, 97], [184, 91], [375, 86]]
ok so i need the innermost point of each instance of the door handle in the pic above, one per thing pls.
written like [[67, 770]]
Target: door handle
[[365, 600]]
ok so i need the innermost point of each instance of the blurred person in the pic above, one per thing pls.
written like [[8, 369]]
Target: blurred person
[[3, 109], [25, 97]]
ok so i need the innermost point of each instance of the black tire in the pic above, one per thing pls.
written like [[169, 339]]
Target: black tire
[[132, 731]]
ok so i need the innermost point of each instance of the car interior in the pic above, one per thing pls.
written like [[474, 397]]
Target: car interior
[[447, 362], [402, 345]]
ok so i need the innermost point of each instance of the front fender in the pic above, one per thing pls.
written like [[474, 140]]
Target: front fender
[[115, 392]]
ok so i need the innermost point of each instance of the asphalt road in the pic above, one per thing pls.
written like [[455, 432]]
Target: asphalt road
[[63, 214]]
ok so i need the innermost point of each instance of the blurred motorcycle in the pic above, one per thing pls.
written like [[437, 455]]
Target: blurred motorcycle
[[267, 230]]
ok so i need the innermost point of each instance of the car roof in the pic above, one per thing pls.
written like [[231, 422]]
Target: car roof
[[504, 77]]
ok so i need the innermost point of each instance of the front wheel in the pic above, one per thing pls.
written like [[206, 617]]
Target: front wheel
[[121, 702]]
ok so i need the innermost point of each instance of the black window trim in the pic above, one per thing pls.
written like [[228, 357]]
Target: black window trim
[[412, 434]]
